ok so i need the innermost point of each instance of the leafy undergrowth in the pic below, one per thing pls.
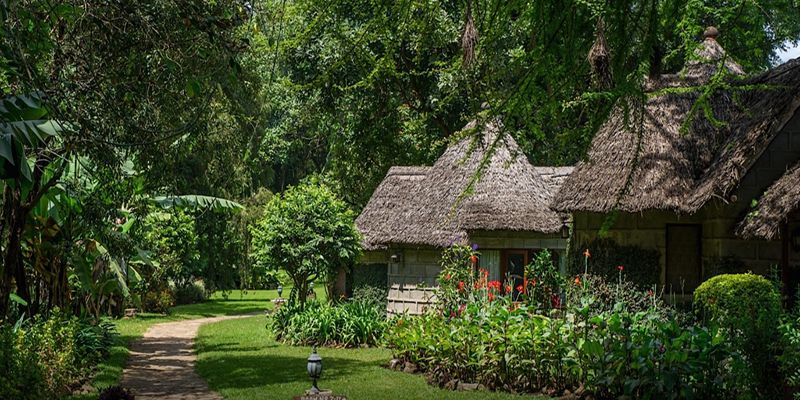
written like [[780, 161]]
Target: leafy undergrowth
[[240, 361], [236, 302]]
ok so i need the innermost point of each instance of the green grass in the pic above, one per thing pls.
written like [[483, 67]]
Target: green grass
[[240, 360], [235, 302]]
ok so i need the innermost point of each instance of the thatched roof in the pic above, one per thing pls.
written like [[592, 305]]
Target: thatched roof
[[438, 205], [664, 153], [774, 207]]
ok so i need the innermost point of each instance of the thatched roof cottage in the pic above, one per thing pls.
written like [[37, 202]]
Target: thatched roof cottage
[[678, 171], [482, 190]]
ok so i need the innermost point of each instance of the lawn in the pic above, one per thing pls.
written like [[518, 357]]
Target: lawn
[[230, 303], [241, 361]]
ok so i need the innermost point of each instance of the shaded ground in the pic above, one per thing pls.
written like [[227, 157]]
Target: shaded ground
[[161, 363]]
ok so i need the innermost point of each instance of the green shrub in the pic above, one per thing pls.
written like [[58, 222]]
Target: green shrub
[[789, 359], [348, 324], [172, 240], [192, 293], [44, 358], [372, 295], [748, 307], [159, 301], [307, 232], [642, 266]]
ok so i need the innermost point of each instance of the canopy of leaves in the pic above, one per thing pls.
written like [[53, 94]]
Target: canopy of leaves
[[307, 232], [367, 84]]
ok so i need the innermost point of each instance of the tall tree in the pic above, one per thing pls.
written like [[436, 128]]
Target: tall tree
[[117, 79]]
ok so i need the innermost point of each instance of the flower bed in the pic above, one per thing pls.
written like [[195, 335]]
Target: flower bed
[[558, 336]]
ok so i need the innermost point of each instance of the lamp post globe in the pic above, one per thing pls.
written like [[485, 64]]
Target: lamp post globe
[[280, 291], [314, 369]]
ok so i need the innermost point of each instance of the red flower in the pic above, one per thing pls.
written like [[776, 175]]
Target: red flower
[[460, 286], [461, 308], [447, 277], [555, 300], [521, 288], [508, 288], [491, 296], [620, 268], [577, 279], [586, 253], [473, 259]]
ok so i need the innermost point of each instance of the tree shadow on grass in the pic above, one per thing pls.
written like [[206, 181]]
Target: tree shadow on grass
[[213, 308], [231, 347], [237, 371]]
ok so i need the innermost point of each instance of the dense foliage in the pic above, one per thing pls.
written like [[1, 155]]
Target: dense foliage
[[81, 102], [748, 307], [113, 114], [307, 232], [173, 242], [369, 283], [508, 346], [642, 266], [348, 324], [398, 78], [47, 357], [586, 336], [789, 359]]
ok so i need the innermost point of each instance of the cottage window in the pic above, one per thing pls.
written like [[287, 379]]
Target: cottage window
[[490, 260]]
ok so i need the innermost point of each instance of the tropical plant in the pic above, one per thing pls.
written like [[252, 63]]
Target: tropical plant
[[789, 358], [350, 324]]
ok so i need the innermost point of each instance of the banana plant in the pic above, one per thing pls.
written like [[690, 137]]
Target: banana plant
[[31, 162]]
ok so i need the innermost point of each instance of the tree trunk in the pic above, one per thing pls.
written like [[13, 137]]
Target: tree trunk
[[13, 267]]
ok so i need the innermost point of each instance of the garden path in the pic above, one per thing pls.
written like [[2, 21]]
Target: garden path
[[161, 363]]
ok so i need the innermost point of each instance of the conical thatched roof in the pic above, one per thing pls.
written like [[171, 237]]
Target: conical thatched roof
[[664, 153], [774, 207], [438, 205]]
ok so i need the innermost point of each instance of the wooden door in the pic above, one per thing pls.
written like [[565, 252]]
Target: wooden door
[[684, 264]]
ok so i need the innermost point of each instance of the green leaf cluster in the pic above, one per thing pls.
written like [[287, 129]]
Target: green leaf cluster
[[307, 232]]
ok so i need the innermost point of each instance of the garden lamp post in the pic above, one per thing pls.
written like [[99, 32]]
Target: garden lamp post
[[280, 291], [314, 370]]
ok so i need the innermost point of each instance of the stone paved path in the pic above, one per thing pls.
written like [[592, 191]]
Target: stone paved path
[[161, 363]]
